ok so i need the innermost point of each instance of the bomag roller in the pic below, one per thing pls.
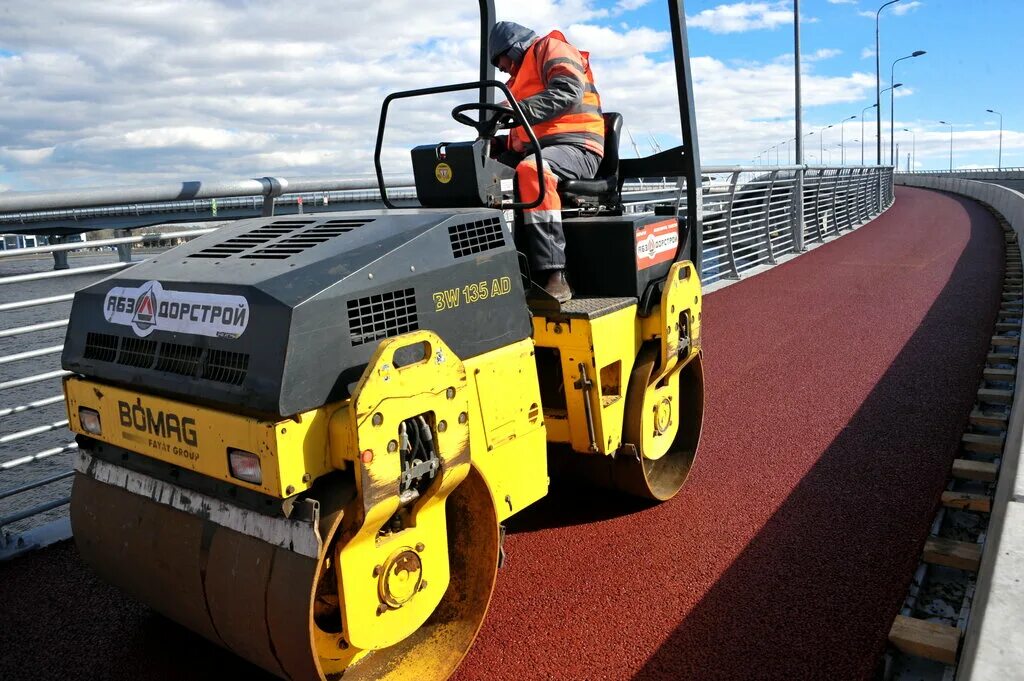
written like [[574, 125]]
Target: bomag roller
[[300, 436]]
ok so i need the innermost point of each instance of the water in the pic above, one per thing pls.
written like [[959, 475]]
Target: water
[[53, 465]]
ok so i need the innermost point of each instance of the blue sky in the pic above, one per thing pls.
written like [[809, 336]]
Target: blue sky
[[137, 92]]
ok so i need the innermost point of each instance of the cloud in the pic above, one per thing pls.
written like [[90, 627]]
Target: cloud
[[629, 5], [822, 54], [842, 2], [27, 156], [742, 16], [611, 44], [867, 52], [901, 9]]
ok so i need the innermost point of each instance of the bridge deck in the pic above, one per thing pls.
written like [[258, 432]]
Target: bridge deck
[[838, 385]]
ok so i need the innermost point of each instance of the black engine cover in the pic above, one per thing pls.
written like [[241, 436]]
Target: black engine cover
[[280, 315]]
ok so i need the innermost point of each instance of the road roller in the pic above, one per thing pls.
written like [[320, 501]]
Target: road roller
[[300, 436]]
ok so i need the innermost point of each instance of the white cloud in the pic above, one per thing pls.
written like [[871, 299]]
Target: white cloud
[[842, 2], [27, 156], [901, 9], [822, 54], [742, 16], [630, 5], [867, 13], [903, 91], [867, 52], [611, 44]]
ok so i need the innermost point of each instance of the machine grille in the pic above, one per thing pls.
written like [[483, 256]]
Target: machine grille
[[476, 237], [225, 366], [382, 316], [178, 359], [137, 352], [280, 239], [222, 366], [100, 346]]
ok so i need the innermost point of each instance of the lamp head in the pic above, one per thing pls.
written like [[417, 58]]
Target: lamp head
[[945, 123], [918, 53], [897, 85]]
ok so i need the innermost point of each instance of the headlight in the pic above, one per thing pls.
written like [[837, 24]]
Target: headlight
[[90, 420], [245, 466]]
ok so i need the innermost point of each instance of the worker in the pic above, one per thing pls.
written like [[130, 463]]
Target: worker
[[554, 86]]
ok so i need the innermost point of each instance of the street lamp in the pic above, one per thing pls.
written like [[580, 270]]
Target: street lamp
[[878, 84], [842, 133], [950, 144], [862, 131], [892, 99], [913, 148], [821, 140], [1000, 136]]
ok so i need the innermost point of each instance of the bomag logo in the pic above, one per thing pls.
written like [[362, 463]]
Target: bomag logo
[[443, 173], [162, 424]]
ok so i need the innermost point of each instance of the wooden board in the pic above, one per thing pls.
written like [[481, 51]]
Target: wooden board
[[967, 501], [999, 374], [962, 555], [992, 419], [931, 641], [984, 444], [995, 395], [975, 470]]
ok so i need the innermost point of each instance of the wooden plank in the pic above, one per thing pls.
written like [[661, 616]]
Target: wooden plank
[[993, 419], [967, 501], [1005, 341], [929, 640], [983, 471], [999, 374], [983, 444], [995, 395], [1002, 357], [962, 555]]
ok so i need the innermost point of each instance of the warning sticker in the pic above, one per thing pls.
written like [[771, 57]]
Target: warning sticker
[[656, 243], [443, 173], [150, 308]]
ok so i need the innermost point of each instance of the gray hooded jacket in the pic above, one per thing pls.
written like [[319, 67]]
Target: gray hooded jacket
[[561, 92]]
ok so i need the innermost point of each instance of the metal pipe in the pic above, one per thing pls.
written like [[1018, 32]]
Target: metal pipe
[[36, 378], [29, 432], [38, 404], [22, 304], [32, 485], [79, 245], [35, 510], [56, 274], [892, 102], [29, 354], [798, 189], [1000, 167], [42, 326], [38, 456]]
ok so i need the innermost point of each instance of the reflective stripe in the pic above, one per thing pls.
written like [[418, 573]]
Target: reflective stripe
[[533, 216], [551, 63], [585, 108], [589, 87]]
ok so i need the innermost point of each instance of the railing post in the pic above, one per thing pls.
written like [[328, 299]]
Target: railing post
[[272, 188], [124, 251], [728, 224], [817, 206], [767, 217], [60, 258], [798, 210]]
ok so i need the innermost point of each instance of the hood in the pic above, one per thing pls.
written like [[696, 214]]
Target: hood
[[510, 37]]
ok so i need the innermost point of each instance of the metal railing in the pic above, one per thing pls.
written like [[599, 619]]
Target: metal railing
[[750, 223]]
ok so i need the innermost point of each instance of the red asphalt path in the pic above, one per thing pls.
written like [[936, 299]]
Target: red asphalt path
[[837, 387]]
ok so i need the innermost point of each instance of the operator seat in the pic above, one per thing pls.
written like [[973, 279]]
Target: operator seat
[[604, 187]]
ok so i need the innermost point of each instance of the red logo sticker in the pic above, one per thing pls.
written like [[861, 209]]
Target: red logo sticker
[[656, 243]]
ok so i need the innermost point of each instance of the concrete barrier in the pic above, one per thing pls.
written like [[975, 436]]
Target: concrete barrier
[[993, 646]]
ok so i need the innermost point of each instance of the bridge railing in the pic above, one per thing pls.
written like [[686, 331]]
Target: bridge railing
[[751, 222]]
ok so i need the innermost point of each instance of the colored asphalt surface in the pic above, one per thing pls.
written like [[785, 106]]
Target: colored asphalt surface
[[837, 387]]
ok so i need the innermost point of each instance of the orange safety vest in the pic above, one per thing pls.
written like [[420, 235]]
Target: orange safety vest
[[583, 124]]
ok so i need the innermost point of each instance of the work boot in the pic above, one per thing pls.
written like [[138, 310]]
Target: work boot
[[557, 287]]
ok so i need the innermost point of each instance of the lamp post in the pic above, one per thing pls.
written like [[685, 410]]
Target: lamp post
[[878, 84], [842, 137], [862, 131], [892, 101], [913, 147], [821, 141], [950, 144], [1000, 136]]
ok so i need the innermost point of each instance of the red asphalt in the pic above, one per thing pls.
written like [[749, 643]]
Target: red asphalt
[[837, 388]]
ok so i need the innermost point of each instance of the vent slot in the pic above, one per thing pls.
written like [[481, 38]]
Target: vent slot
[[100, 346], [255, 238], [476, 237], [137, 352], [304, 240], [382, 316], [178, 359], [221, 366], [225, 366]]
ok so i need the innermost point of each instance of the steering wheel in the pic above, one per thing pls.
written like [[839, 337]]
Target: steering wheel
[[486, 127]]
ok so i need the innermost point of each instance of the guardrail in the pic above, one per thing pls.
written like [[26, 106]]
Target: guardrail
[[751, 222], [962, 173], [991, 647]]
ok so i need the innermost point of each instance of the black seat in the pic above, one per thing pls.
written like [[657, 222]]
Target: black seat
[[605, 185]]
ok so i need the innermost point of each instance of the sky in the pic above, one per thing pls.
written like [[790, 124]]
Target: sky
[[99, 93]]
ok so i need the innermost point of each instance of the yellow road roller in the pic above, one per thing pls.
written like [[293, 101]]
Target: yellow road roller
[[300, 434]]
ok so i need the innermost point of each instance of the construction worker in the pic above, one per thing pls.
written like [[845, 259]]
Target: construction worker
[[553, 84]]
